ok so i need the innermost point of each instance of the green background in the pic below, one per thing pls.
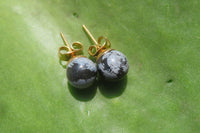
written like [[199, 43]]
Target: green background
[[161, 39]]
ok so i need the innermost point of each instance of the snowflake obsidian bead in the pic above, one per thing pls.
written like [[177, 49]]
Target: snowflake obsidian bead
[[112, 65], [81, 72]]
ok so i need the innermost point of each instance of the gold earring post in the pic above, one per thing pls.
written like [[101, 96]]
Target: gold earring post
[[65, 41], [99, 47], [88, 32]]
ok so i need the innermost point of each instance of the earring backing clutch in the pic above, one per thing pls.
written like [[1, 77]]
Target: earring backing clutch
[[112, 65], [81, 72]]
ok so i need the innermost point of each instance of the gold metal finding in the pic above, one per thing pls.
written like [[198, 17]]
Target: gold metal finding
[[67, 52], [102, 45]]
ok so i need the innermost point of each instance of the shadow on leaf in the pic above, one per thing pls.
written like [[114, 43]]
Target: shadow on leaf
[[83, 94], [112, 89]]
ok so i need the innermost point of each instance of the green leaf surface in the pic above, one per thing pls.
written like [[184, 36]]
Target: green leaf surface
[[161, 40]]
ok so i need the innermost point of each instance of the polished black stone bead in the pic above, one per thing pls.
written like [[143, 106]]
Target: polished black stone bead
[[81, 72], [112, 65]]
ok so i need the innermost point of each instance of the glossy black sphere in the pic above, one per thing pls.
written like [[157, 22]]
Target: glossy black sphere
[[81, 72], [112, 65]]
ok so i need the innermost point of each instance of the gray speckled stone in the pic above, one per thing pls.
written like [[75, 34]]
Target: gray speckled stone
[[81, 72], [112, 65]]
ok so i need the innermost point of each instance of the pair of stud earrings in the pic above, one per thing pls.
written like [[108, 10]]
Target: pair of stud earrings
[[112, 65]]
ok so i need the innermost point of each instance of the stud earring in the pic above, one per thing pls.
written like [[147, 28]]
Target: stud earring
[[81, 72], [112, 65]]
